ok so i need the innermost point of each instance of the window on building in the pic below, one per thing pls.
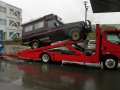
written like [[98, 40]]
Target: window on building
[[10, 22], [2, 22], [29, 28], [18, 34], [18, 23], [14, 24], [14, 36], [18, 13], [4, 36], [39, 25], [10, 34], [1, 35], [2, 9], [11, 11], [14, 13]]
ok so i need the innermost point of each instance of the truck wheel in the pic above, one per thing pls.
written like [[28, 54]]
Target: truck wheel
[[74, 34], [45, 58], [110, 63], [35, 44]]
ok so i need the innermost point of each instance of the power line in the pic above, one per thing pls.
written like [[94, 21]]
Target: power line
[[28, 15]]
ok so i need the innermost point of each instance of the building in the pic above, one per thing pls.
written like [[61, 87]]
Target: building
[[10, 21]]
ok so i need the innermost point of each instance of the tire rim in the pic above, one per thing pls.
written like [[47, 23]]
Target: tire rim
[[45, 57], [110, 63], [75, 36], [35, 45]]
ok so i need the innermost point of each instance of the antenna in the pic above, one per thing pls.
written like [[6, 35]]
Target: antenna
[[86, 9]]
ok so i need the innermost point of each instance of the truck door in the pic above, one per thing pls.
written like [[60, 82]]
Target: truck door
[[111, 43]]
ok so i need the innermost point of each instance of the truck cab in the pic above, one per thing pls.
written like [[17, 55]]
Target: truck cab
[[110, 47]]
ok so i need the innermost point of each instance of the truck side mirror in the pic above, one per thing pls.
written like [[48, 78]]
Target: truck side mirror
[[88, 23]]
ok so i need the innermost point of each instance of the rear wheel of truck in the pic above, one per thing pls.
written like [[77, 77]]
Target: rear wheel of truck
[[74, 34], [110, 63], [35, 44]]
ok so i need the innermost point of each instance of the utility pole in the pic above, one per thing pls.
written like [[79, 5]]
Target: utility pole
[[86, 9]]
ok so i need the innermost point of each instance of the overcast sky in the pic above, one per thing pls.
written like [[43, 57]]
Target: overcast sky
[[68, 10]]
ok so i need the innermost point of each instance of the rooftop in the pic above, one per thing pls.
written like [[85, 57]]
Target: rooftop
[[40, 18]]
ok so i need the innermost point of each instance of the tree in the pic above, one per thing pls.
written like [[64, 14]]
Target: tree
[[91, 36], [107, 27]]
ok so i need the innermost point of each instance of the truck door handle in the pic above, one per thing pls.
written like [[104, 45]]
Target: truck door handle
[[105, 47]]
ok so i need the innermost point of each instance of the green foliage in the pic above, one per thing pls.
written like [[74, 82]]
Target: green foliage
[[107, 27], [17, 39], [91, 36]]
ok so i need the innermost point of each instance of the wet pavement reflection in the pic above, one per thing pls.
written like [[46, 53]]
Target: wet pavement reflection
[[38, 76]]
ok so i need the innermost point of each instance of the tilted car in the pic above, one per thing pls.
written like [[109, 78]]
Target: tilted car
[[50, 28]]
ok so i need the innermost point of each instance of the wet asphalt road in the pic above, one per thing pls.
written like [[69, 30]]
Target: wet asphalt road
[[17, 74]]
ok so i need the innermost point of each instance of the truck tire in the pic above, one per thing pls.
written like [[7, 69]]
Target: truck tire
[[45, 58], [35, 44], [110, 63], [75, 34]]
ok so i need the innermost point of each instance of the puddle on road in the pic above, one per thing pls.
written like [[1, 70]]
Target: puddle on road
[[36, 76], [9, 72]]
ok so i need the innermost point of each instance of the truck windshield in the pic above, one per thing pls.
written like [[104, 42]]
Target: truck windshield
[[59, 20], [113, 37]]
